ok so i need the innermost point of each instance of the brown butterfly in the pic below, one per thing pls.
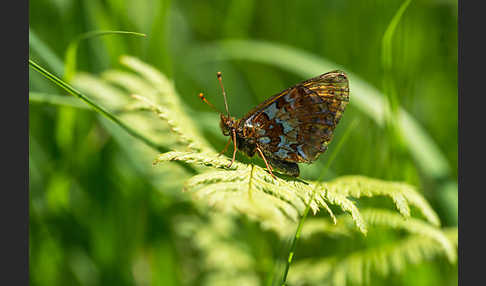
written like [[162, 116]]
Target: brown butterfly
[[293, 126]]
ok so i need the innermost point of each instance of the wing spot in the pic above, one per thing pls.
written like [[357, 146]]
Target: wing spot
[[264, 140], [283, 141], [271, 111], [288, 98], [301, 152], [281, 153], [286, 126]]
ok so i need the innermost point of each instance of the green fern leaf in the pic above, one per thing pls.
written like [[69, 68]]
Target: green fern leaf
[[423, 243], [247, 189], [357, 268], [402, 194], [244, 188], [224, 262], [378, 217], [145, 88], [250, 190], [203, 159]]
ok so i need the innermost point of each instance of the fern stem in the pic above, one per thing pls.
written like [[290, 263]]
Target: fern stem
[[250, 182], [296, 238], [307, 208], [104, 112], [338, 147]]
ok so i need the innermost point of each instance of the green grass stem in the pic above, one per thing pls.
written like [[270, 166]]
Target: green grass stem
[[307, 208], [54, 99], [71, 90], [70, 57]]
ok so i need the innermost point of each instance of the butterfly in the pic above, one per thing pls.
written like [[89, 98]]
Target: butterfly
[[293, 126]]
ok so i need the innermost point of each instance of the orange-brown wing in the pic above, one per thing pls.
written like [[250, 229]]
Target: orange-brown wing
[[297, 124]]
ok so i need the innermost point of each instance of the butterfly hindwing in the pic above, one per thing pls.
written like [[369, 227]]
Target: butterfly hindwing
[[297, 124]]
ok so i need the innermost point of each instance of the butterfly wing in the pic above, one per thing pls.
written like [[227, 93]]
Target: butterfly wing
[[297, 124]]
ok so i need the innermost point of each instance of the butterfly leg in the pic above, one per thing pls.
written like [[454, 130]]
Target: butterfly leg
[[266, 163], [225, 147], [288, 168], [235, 149]]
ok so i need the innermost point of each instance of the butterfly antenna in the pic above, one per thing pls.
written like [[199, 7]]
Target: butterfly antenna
[[203, 98], [224, 93]]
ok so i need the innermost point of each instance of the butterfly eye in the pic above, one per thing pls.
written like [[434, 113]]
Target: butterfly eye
[[224, 127]]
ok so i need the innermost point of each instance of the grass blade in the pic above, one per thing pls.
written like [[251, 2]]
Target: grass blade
[[103, 111], [306, 211], [70, 57], [44, 52], [54, 99]]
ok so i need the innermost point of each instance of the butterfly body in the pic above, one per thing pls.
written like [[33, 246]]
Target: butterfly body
[[293, 126]]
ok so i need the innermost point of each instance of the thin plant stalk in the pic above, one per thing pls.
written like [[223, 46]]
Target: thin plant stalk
[[71, 90], [70, 57], [307, 208]]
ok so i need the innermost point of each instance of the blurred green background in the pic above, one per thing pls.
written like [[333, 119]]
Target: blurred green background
[[96, 215]]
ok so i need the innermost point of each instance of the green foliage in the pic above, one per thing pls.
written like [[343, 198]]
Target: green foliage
[[422, 242], [248, 189], [147, 90], [102, 214], [71, 52], [229, 263], [276, 203], [402, 194], [386, 42], [364, 96]]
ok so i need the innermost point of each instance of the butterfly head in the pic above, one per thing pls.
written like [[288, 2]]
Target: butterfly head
[[227, 124]]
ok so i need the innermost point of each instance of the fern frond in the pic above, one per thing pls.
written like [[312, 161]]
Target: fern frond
[[224, 262], [243, 188], [236, 192], [250, 190], [452, 234], [203, 159], [402, 194], [184, 136], [175, 111], [103, 92], [276, 203], [315, 226], [214, 177], [390, 220], [379, 217], [356, 268], [151, 74], [285, 200], [346, 205], [133, 83], [153, 91]]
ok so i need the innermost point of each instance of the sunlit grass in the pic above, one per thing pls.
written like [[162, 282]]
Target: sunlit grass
[[102, 214]]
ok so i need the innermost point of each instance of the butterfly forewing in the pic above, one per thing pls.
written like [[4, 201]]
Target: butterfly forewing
[[297, 124]]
